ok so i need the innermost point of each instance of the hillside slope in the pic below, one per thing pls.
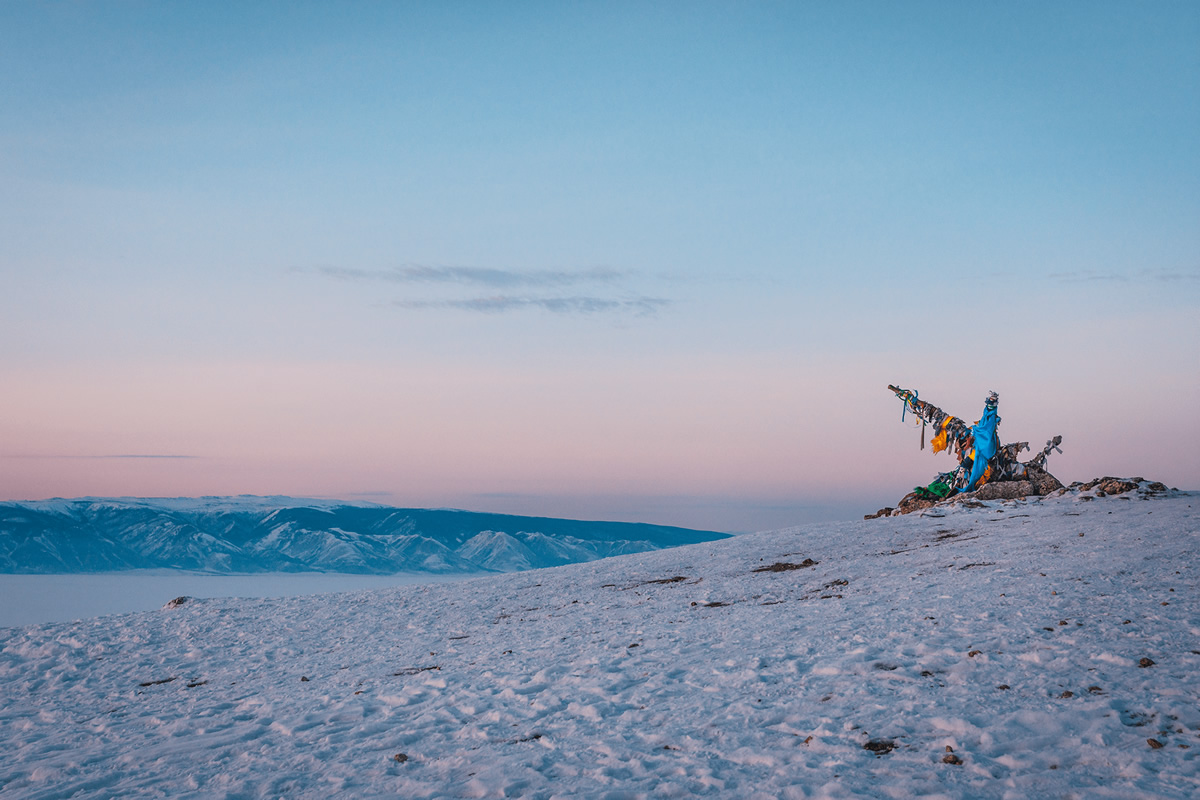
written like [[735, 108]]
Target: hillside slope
[[284, 534], [1048, 648]]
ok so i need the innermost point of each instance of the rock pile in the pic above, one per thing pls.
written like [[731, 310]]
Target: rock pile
[[1038, 483]]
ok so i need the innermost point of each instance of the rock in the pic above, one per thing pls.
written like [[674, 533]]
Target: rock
[[785, 566], [879, 746], [883, 512], [177, 602], [950, 758], [400, 758], [1003, 490], [1155, 743], [1043, 482], [1145, 662], [1108, 485], [911, 503]]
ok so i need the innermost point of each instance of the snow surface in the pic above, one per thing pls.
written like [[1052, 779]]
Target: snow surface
[[1012, 632]]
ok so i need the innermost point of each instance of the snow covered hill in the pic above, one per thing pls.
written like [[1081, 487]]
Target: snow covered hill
[[283, 534], [1017, 649]]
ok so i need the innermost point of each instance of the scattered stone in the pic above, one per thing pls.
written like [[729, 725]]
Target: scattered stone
[[177, 602], [400, 758], [1067, 694], [784, 566], [974, 653], [883, 512], [1004, 687], [304, 679], [1095, 690], [415, 670], [1155, 743], [950, 758], [879, 746], [156, 683], [1145, 662]]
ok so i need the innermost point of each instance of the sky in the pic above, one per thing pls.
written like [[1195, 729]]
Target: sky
[[633, 261]]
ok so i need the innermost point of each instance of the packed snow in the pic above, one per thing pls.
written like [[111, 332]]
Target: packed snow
[[1009, 649]]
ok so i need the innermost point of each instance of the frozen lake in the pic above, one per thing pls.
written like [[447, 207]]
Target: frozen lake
[[33, 599]]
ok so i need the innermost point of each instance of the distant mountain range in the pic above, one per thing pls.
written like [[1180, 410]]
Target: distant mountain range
[[250, 534]]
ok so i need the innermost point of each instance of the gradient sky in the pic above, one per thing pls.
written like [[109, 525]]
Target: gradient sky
[[649, 261]]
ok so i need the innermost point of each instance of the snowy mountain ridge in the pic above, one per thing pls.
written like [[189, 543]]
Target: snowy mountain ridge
[[281, 534], [997, 650]]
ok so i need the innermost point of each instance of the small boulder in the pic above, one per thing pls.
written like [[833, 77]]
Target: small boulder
[[879, 746], [1004, 490]]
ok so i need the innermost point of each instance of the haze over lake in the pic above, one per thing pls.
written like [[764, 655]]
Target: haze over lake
[[34, 599]]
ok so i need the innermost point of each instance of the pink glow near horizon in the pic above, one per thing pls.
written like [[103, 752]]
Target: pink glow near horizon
[[434, 436]]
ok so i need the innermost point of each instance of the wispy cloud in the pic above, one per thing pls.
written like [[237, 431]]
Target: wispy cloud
[[477, 276], [1159, 275], [497, 304], [145, 455], [1171, 277], [598, 290], [114, 455], [1088, 277]]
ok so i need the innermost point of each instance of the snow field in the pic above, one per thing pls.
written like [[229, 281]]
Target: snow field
[[1000, 632]]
